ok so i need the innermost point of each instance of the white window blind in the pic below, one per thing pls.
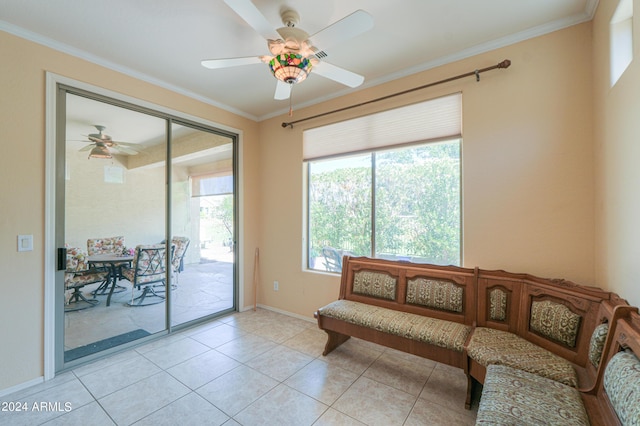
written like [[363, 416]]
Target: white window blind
[[214, 184], [431, 120]]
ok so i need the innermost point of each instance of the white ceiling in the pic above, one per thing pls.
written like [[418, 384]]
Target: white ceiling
[[163, 41]]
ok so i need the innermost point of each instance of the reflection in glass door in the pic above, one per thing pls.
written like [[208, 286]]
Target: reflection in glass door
[[202, 223], [117, 203], [114, 222]]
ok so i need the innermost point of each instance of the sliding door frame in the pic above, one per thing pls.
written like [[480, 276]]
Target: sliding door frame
[[55, 131]]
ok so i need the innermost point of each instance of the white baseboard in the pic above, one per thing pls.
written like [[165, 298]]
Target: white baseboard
[[291, 314], [21, 386]]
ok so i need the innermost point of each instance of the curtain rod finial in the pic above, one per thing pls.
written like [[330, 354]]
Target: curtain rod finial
[[504, 64]]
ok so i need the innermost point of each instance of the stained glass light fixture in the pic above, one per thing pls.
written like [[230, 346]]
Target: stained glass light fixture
[[290, 67]]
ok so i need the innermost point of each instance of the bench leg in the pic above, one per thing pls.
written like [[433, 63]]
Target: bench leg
[[470, 382], [333, 341]]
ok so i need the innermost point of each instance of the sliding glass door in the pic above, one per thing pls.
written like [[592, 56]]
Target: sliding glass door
[[145, 224], [202, 223]]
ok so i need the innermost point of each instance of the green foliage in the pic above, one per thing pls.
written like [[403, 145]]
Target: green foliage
[[340, 209], [417, 198], [216, 217]]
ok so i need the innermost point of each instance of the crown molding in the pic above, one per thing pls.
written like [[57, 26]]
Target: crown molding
[[538, 31], [585, 16], [89, 57]]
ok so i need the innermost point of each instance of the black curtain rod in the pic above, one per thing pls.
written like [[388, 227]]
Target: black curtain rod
[[504, 64]]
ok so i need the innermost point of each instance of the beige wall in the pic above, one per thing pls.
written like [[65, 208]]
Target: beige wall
[[22, 187], [617, 153], [134, 208], [537, 196], [527, 165]]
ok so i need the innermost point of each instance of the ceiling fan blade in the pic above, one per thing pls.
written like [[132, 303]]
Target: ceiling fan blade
[[338, 74], [125, 150], [283, 90], [252, 16], [230, 62], [87, 148], [124, 143], [348, 27]]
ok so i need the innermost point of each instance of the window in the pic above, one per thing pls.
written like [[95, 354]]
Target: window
[[621, 39], [203, 186], [401, 201]]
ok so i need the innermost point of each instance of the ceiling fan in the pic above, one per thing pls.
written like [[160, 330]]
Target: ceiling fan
[[293, 53], [102, 144]]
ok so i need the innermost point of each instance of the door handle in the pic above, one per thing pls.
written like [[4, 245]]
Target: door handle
[[62, 258]]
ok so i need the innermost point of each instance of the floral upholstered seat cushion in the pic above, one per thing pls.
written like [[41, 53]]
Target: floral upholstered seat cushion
[[489, 346], [515, 397], [81, 279], [622, 385], [446, 334]]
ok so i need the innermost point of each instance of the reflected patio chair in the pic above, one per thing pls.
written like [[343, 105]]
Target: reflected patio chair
[[332, 259], [180, 246], [146, 272], [108, 245], [76, 276]]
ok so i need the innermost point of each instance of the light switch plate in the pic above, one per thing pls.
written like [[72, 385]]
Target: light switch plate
[[25, 242]]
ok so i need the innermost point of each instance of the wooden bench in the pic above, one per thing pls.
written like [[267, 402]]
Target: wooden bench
[[512, 396], [471, 318], [538, 325], [426, 310]]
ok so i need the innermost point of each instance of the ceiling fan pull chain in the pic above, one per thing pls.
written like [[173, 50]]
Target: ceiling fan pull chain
[[291, 102]]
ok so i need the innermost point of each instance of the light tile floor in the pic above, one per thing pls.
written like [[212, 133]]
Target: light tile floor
[[251, 368]]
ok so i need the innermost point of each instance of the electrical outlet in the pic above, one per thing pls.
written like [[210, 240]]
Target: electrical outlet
[[275, 285]]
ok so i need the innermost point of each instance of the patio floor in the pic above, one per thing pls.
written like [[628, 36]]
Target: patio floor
[[203, 289]]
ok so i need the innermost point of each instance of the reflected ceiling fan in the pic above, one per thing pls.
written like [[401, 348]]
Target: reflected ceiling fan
[[101, 145], [293, 53]]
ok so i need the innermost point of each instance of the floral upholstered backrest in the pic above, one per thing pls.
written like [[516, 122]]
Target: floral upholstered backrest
[[110, 245], [497, 304], [596, 345], [622, 385], [376, 284], [180, 247], [148, 263], [433, 293], [76, 260], [555, 321]]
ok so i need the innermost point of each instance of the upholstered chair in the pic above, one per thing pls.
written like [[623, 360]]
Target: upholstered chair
[[146, 272], [76, 276], [180, 246], [110, 245]]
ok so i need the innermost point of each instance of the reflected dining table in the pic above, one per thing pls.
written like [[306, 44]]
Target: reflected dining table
[[112, 263]]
